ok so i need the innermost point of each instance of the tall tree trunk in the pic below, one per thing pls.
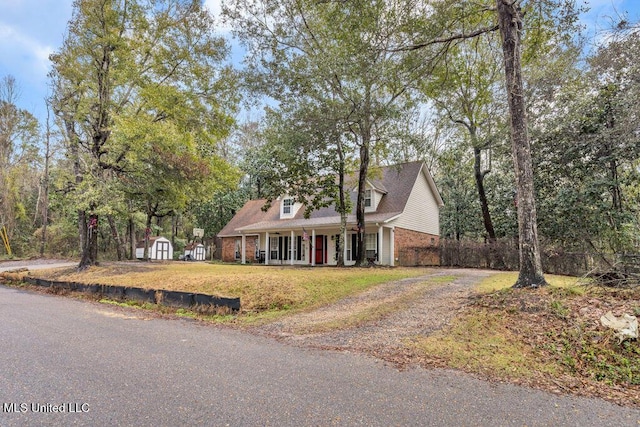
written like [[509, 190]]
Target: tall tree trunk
[[120, 244], [482, 195], [45, 185], [342, 204], [90, 249], [131, 228], [362, 182], [87, 226], [365, 145], [510, 21], [174, 229], [77, 171]]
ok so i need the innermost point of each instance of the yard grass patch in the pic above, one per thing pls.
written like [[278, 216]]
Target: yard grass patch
[[266, 292], [482, 342], [506, 280]]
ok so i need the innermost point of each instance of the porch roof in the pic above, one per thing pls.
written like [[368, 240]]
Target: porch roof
[[323, 222]]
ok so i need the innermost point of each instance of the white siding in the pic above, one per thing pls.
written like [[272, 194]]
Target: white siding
[[421, 212], [376, 196]]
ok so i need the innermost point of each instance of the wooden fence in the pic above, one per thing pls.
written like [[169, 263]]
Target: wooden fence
[[503, 255]]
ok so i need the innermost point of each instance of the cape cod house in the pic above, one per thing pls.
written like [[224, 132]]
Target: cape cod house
[[401, 212]]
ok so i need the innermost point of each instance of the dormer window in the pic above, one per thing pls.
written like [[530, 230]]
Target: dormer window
[[367, 199], [287, 206]]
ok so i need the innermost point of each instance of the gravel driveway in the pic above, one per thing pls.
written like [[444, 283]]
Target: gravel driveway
[[427, 304]]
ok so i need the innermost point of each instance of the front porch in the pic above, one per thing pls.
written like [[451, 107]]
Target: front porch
[[313, 247]]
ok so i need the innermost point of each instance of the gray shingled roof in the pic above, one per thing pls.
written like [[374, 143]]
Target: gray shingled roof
[[395, 181]]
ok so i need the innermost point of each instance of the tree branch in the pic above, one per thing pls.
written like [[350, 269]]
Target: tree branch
[[450, 39]]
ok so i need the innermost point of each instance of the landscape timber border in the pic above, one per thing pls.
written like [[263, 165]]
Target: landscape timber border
[[155, 296]]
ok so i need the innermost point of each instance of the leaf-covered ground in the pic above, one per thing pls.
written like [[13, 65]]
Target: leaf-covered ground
[[549, 338]]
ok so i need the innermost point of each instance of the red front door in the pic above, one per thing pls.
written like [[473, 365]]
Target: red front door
[[319, 249]]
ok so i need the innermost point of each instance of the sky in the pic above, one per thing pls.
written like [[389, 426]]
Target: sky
[[30, 30]]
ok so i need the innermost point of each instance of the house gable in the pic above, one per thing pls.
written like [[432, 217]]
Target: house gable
[[403, 215], [373, 194], [422, 210]]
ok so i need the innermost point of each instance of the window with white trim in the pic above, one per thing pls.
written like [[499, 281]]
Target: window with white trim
[[238, 248], [368, 201], [287, 206], [273, 248], [371, 245]]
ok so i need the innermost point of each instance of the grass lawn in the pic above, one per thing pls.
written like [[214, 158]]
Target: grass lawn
[[264, 291]]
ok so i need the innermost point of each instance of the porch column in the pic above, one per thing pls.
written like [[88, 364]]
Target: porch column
[[291, 247], [312, 255], [392, 246], [379, 244], [243, 255], [267, 251]]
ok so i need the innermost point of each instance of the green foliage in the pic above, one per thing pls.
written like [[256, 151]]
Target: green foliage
[[307, 145], [460, 215], [144, 97], [587, 158], [20, 164], [215, 213], [338, 82]]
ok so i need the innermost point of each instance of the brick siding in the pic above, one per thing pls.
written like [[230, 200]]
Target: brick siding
[[229, 249], [416, 248]]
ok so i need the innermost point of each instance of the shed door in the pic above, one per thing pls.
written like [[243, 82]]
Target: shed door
[[200, 253], [162, 250]]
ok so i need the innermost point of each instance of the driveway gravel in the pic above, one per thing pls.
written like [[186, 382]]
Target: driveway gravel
[[434, 303]]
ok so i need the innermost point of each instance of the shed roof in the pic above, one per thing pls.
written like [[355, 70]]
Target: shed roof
[[152, 240], [191, 246]]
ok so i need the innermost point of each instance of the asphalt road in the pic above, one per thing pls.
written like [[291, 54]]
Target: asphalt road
[[36, 264], [113, 366]]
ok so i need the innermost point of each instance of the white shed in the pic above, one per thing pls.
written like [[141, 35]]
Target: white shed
[[194, 252], [159, 248]]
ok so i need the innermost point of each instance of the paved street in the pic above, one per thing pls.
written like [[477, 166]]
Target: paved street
[[37, 264], [113, 366]]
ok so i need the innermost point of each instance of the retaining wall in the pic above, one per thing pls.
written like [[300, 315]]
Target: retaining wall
[[155, 296]]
